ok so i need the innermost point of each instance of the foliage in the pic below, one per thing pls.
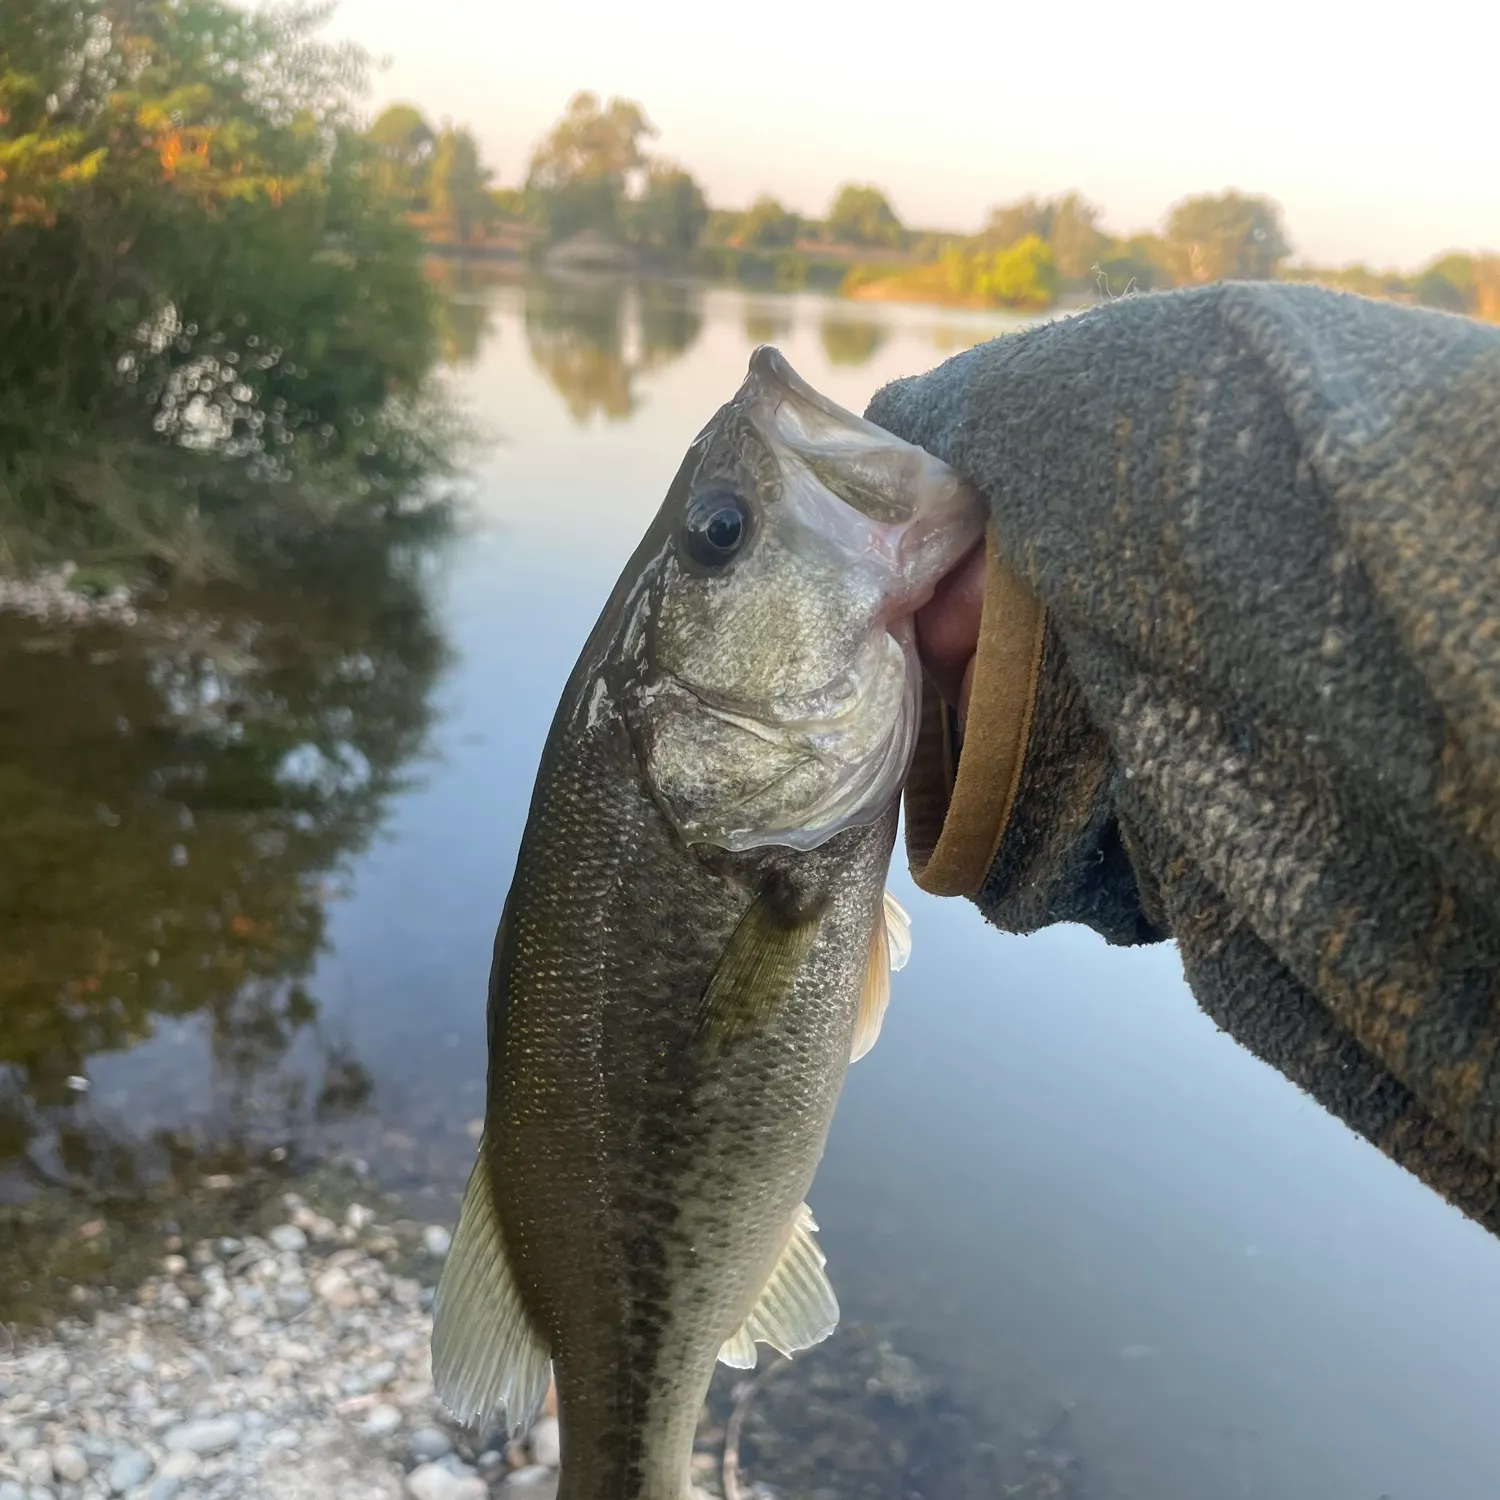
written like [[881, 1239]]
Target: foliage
[[1461, 283], [581, 171], [1068, 226], [1228, 237], [405, 144], [458, 185], [1022, 276], [767, 225], [671, 211], [1136, 264], [205, 298], [863, 216]]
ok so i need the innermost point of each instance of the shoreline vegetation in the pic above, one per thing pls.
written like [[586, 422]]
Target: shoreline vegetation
[[222, 336]]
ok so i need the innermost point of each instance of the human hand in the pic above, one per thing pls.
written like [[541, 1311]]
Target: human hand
[[948, 630]]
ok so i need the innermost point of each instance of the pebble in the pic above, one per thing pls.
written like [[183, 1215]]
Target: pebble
[[69, 1464], [435, 1482], [428, 1444], [534, 1482], [201, 1386], [130, 1468], [336, 1288], [382, 1420], [545, 1442], [35, 1465], [205, 1436]]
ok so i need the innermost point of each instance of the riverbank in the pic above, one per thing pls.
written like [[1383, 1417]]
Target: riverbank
[[66, 596], [290, 1361], [286, 1364]]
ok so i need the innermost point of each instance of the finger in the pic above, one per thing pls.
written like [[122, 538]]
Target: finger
[[948, 625]]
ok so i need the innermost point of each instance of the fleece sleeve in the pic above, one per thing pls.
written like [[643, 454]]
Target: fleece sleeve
[[1238, 682]]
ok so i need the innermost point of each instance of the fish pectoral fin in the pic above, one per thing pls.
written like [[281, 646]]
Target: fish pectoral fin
[[755, 970], [796, 1308], [890, 947], [486, 1355], [897, 931]]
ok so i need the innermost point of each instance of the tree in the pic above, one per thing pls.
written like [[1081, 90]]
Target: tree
[[1010, 224], [458, 184], [767, 225], [1136, 264], [1075, 237], [580, 172], [671, 212], [1024, 275], [405, 142], [1229, 237], [1069, 226], [198, 275], [863, 216]]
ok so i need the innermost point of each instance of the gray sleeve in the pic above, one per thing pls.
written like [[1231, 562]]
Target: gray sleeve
[[1265, 523]]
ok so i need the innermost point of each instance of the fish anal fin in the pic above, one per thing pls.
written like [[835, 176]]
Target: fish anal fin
[[756, 969], [486, 1355], [738, 1351], [796, 1308]]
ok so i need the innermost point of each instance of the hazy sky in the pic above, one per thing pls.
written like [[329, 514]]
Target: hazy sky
[[1380, 137]]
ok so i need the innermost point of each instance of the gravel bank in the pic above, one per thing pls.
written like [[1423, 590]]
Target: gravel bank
[[51, 597], [291, 1367]]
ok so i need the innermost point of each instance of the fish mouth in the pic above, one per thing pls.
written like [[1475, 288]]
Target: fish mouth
[[876, 497]]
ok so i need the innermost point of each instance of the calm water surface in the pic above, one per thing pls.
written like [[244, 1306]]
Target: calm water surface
[[251, 878]]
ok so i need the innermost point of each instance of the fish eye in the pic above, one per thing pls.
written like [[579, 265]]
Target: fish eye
[[716, 528]]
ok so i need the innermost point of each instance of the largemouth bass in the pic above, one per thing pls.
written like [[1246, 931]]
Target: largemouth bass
[[696, 942]]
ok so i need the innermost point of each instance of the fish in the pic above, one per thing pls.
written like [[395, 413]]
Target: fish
[[697, 940]]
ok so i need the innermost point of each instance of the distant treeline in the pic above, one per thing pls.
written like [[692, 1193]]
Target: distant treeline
[[593, 175]]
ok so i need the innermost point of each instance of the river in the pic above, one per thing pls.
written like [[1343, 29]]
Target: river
[[250, 877]]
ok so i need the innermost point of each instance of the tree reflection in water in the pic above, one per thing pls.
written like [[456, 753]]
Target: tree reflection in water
[[593, 338], [176, 802], [852, 341]]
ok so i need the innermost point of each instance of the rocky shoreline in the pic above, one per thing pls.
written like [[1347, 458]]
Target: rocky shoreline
[[287, 1366], [53, 598]]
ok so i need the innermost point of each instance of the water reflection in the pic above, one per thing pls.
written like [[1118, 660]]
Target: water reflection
[[766, 326], [852, 341], [593, 339], [176, 803]]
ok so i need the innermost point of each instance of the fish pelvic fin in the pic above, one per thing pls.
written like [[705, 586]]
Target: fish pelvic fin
[[756, 969], [486, 1355], [796, 1308], [890, 947]]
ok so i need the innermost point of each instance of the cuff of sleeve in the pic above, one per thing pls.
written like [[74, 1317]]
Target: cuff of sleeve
[[959, 796]]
